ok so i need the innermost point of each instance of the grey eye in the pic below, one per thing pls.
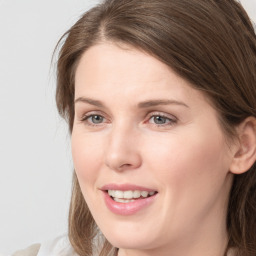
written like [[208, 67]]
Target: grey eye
[[160, 119], [96, 119]]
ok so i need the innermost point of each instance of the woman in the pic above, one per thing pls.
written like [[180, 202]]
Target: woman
[[160, 97]]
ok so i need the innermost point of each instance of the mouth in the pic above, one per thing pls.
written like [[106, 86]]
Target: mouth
[[129, 196], [128, 199]]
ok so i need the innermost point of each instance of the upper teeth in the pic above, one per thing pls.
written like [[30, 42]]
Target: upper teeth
[[129, 194]]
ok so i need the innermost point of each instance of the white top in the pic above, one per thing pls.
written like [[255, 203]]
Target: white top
[[58, 247]]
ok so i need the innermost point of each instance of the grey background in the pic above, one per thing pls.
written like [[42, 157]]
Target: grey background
[[36, 165]]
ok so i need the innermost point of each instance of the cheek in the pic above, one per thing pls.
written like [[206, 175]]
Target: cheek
[[87, 157], [192, 159], [191, 174]]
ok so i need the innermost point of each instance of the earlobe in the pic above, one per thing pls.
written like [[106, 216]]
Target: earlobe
[[245, 153]]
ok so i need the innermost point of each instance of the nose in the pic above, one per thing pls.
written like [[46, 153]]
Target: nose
[[123, 150]]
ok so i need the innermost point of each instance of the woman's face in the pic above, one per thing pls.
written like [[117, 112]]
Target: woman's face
[[143, 135]]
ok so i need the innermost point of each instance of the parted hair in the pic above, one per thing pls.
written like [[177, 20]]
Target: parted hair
[[211, 44]]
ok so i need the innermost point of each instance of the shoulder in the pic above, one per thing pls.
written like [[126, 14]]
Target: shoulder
[[30, 251], [59, 246]]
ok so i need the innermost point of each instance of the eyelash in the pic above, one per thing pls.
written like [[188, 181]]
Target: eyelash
[[171, 120], [86, 117]]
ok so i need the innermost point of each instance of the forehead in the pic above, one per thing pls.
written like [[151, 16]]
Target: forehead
[[118, 60], [109, 66]]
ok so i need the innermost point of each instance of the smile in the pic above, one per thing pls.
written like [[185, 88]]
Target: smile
[[127, 199], [129, 195]]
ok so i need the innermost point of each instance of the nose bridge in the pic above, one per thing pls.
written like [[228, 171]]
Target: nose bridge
[[122, 151]]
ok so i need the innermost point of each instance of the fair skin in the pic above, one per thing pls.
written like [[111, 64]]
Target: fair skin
[[137, 122]]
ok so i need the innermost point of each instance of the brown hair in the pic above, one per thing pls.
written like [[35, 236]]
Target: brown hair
[[211, 44]]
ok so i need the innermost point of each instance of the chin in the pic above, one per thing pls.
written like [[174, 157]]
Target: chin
[[131, 244], [132, 240]]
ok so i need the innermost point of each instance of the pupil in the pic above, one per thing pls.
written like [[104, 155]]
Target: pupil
[[96, 119], [159, 120]]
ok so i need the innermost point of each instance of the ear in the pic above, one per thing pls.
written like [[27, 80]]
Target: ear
[[245, 152]]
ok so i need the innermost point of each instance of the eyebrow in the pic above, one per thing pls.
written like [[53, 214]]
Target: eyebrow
[[144, 104], [153, 103], [96, 103]]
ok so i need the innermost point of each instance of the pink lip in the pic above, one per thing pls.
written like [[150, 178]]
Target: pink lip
[[124, 187], [126, 208]]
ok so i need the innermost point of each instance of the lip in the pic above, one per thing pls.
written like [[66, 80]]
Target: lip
[[127, 208], [125, 187]]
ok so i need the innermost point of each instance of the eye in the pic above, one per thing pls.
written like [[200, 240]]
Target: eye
[[96, 119], [93, 119], [161, 120]]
